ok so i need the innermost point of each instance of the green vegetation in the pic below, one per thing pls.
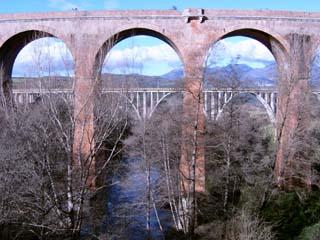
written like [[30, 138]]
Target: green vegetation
[[293, 213], [311, 233]]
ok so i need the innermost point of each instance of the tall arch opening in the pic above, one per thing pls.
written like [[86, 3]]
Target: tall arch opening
[[141, 57], [241, 84], [238, 64], [154, 36], [142, 64], [140, 75]]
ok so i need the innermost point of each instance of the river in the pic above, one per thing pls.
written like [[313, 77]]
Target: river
[[124, 205]]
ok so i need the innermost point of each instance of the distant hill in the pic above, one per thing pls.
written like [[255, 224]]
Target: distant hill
[[241, 75], [267, 76], [221, 76], [174, 74], [139, 81]]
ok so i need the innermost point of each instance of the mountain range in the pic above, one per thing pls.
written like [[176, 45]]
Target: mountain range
[[218, 76]]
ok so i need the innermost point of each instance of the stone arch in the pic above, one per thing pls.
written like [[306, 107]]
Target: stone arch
[[275, 43], [262, 101], [10, 49], [124, 34]]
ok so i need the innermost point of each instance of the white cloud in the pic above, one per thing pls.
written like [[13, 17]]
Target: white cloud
[[50, 54], [137, 57], [45, 56], [249, 51], [133, 59]]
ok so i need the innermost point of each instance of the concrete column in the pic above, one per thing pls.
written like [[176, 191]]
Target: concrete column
[[219, 102], [138, 101], [272, 101], [213, 107], [267, 98], [292, 119], [144, 105], [151, 102]]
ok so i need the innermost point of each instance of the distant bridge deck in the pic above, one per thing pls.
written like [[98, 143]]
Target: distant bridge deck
[[145, 100]]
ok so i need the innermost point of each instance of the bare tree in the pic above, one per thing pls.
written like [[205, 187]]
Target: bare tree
[[51, 190], [246, 226]]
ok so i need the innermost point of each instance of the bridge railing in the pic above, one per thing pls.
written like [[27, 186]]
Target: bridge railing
[[26, 96]]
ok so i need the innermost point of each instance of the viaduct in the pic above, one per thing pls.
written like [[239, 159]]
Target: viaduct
[[292, 38]]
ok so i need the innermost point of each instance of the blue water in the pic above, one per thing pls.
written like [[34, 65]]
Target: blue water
[[126, 203]]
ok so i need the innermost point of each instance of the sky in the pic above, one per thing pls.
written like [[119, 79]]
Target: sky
[[9, 6], [151, 56]]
